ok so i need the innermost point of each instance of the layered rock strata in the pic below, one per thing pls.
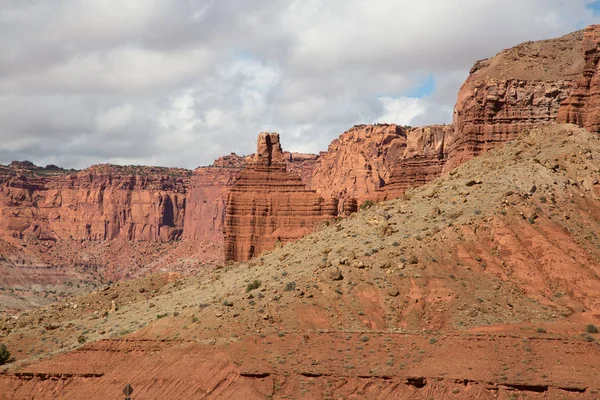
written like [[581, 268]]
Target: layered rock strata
[[518, 89], [267, 205], [100, 203], [358, 163], [582, 107]]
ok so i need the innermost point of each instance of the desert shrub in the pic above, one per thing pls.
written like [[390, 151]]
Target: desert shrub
[[366, 205], [253, 285], [591, 328], [290, 286], [4, 354], [540, 330]]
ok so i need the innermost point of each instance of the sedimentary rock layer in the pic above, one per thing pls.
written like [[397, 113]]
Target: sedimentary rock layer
[[518, 89], [268, 205], [583, 105], [100, 203], [358, 163]]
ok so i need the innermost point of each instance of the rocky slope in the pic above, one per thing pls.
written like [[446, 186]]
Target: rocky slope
[[267, 205], [479, 285]]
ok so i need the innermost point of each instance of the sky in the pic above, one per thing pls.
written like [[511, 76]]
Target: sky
[[182, 82]]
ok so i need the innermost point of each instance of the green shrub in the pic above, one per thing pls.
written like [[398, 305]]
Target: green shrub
[[540, 330], [366, 204], [290, 286], [4, 354], [253, 285], [591, 328]]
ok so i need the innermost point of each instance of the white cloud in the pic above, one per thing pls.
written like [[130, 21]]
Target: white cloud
[[181, 82], [115, 119], [402, 110]]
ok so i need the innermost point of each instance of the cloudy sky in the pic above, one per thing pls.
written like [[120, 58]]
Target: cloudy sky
[[181, 82]]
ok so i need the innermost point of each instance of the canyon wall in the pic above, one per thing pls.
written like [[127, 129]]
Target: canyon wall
[[422, 160], [517, 89], [100, 203], [582, 107], [358, 163], [268, 205], [275, 196]]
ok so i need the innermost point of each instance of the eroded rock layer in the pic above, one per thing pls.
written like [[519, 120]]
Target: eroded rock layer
[[100, 203], [422, 160], [268, 205], [583, 105], [518, 89], [358, 163]]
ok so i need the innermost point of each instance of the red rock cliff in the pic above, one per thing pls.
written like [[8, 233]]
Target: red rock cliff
[[269, 205], [206, 202], [100, 203], [517, 89], [358, 163], [421, 161], [583, 105]]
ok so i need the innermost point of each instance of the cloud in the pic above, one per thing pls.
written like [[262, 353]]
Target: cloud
[[181, 82]]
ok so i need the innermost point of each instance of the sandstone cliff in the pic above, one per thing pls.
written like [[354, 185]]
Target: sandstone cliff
[[358, 163], [100, 203], [519, 88], [583, 105], [268, 205], [206, 202], [421, 161]]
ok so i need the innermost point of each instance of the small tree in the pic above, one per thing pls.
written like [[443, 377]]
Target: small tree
[[4, 354]]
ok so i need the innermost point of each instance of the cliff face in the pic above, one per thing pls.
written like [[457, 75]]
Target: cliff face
[[583, 105], [268, 205], [275, 196], [518, 89], [421, 161], [206, 202], [101, 203], [359, 163]]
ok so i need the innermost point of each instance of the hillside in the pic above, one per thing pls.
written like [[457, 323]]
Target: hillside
[[478, 285]]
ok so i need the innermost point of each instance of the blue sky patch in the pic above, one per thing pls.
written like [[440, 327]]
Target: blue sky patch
[[425, 88], [594, 6]]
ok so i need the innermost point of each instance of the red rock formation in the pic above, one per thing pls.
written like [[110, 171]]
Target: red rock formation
[[422, 160], [302, 165], [519, 88], [230, 161], [358, 163], [583, 105], [268, 205], [206, 202], [100, 203]]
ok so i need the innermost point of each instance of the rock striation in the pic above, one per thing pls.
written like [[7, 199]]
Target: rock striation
[[582, 107], [267, 205], [518, 89], [359, 163], [421, 161], [100, 203]]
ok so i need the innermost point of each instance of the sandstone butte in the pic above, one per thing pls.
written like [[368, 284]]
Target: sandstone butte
[[267, 205], [532, 84]]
